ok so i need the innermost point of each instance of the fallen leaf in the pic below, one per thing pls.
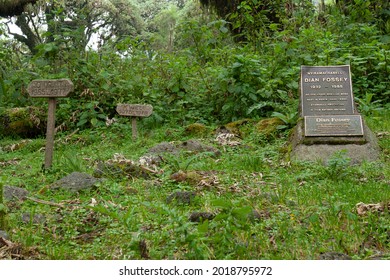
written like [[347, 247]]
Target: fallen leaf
[[93, 202]]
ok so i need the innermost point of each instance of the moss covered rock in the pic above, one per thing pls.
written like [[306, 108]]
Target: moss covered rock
[[268, 126], [196, 129], [190, 177], [26, 122], [240, 127]]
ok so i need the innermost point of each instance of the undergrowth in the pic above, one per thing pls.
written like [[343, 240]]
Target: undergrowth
[[257, 205]]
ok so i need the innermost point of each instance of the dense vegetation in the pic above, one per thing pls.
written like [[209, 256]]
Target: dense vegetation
[[196, 62], [183, 57]]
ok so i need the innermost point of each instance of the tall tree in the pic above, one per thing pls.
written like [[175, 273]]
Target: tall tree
[[377, 12], [73, 22], [248, 18], [251, 18], [222, 7], [164, 24]]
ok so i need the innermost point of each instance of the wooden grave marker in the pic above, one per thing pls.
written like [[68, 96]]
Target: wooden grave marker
[[134, 111], [51, 89]]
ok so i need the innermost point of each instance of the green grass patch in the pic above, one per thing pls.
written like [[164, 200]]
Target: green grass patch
[[262, 206]]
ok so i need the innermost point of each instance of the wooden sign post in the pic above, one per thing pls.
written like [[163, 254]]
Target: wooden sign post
[[134, 111], [50, 89]]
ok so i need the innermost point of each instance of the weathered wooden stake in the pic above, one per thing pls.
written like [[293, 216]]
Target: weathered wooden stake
[[134, 111], [134, 127], [51, 120], [50, 89]]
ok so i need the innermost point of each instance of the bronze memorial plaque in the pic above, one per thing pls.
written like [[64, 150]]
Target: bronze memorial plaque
[[334, 125], [326, 90], [134, 110], [50, 88]]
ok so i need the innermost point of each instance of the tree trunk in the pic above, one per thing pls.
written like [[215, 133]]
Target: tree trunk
[[322, 6], [29, 38], [10, 8]]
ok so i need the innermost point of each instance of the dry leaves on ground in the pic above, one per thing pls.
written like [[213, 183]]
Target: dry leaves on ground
[[227, 139], [363, 208], [15, 251], [5, 163]]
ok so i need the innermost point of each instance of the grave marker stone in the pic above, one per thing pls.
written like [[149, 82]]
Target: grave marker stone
[[329, 120], [134, 111], [50, 89], [327, 102]]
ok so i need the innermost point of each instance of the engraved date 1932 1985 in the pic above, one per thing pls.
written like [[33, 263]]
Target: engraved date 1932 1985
[[242, 270]]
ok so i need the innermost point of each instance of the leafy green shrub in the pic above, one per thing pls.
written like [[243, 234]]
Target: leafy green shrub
[[367, 106], [205, 76]]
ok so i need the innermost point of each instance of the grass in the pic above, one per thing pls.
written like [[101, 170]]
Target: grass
[[263, 207]]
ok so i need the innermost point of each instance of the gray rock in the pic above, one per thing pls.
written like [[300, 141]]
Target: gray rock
[[193, 146], [198, 147], [34, 219], [4, 234], [120, 169], [106, 169], [197, 217], [75, 182], [14, 193], [163, 147], [181, 197]]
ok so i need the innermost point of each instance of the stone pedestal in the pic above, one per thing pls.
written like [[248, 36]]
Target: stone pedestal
[[358, 149], [329, 121]]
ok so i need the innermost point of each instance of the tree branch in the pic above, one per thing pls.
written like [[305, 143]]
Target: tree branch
[[30, 39], [35, 28]]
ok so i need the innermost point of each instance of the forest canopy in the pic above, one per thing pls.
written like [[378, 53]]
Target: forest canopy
[[241, 58], [9, 8]]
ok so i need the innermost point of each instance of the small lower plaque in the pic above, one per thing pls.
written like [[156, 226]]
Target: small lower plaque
[[337, 125]]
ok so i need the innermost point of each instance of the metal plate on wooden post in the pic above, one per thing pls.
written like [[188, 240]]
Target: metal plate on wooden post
[[50, 88]]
